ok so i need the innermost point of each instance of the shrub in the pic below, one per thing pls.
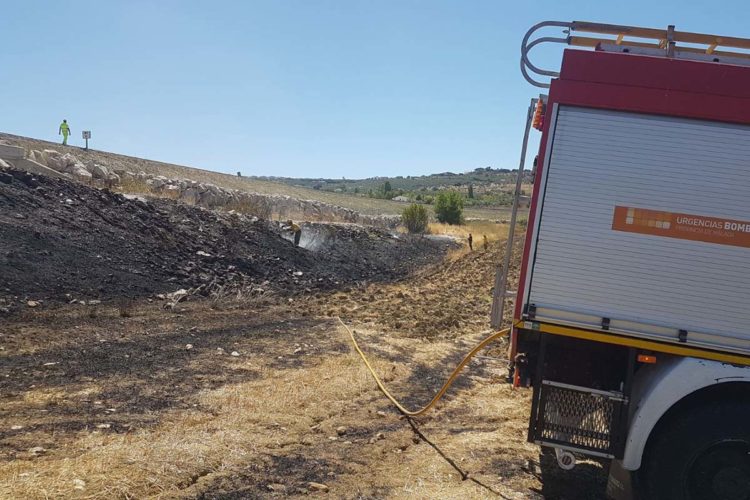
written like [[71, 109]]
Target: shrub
[[449, 207], [414, 218]]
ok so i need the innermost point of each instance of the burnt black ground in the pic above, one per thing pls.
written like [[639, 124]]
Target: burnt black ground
[[61, 240]]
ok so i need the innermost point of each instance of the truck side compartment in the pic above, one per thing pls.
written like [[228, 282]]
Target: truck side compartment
[[631, 315]]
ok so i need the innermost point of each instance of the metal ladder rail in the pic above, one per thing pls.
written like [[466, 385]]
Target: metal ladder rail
[[501, 273], [664, 42]]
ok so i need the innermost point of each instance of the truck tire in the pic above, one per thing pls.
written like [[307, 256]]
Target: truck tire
[[701, 454]]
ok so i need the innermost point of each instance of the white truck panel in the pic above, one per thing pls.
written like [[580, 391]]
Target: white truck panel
[[601, 159]]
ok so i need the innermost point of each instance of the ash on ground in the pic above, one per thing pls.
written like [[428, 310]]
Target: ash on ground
[[63, 241]]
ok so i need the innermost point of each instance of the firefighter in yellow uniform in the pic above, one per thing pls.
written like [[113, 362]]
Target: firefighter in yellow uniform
[[65, 131], [296, 230]]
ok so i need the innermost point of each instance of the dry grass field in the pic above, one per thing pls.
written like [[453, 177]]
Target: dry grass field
[[477, 228], [265, 398]]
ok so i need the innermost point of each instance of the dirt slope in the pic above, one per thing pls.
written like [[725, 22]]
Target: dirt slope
[[437, 302], [61, 240], [153, 405]]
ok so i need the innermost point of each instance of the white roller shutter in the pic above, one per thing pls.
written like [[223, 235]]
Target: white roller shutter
[[585, 269]]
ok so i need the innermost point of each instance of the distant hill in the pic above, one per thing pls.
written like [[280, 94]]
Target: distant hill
[[482, 187], [478, 176]]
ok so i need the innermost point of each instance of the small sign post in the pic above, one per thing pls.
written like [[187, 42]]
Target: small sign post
[[87, 136]]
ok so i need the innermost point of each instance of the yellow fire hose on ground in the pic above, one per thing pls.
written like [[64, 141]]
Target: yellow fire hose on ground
[[446, 385]]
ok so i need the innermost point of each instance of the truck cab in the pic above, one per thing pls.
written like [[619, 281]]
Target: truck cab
[[630, 318]]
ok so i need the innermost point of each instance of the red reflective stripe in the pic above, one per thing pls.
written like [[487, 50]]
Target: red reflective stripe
[[653, 101], [656, 72]]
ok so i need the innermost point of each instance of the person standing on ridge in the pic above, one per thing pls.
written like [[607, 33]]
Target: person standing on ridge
[[65, 131], [471, 242]]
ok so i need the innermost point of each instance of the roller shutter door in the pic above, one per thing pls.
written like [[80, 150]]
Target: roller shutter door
[[653, 168]]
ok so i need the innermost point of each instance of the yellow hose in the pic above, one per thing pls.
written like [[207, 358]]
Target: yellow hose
[[447, 383]]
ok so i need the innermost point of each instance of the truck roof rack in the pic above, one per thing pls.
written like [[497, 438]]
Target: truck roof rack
[[649, 41]]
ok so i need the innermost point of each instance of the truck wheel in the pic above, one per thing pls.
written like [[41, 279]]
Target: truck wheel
[[702, 454]]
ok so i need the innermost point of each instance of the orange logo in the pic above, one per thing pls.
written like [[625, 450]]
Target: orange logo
[[682, 226]]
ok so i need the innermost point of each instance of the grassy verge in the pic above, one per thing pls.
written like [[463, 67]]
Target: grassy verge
[[477, 228]]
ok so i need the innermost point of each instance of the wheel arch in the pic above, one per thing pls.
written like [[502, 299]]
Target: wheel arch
[[663, 391]]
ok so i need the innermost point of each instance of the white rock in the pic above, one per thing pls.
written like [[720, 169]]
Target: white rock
[[99, 171], [79, 484], [190, 196], [188, 346], [113, 179], [68, 160], [235, 353], [177, 295], [317, 486], [79, 172], [38, 156], [55, 160]]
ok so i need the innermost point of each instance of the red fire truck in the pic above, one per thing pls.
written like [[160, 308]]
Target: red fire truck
[[632, 314]]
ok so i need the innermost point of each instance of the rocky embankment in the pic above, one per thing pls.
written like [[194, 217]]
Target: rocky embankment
[[193, 192], [61, 240]]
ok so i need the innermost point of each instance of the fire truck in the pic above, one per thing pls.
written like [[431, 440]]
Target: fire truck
[[632, 314]]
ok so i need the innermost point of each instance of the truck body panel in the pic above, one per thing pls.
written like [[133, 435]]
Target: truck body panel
[[631, 311], [645, 221], [627, 116]]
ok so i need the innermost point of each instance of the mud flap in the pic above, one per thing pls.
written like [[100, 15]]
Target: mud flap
[[620, 482]]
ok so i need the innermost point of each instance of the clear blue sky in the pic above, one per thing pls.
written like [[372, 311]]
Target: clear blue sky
[[353, 88]]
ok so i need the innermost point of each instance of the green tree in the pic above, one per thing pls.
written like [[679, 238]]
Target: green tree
[[449, 207], [471, 191], [414, 217], [384, 191]]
